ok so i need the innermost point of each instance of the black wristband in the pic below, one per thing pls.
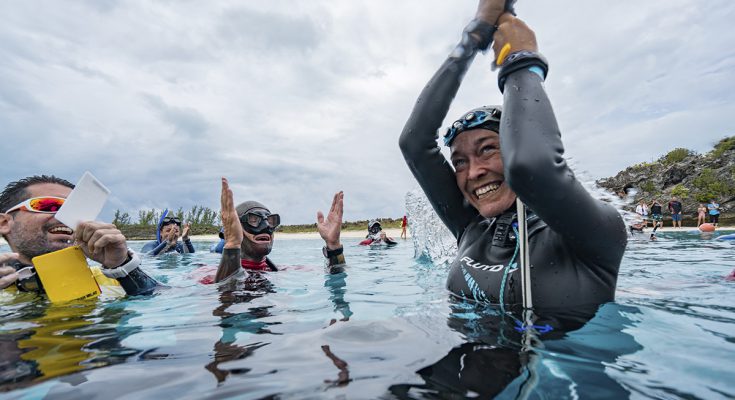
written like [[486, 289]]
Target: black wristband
[[332, 253], [521, 60]]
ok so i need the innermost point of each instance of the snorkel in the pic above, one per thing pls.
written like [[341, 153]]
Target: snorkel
[[160, 225]]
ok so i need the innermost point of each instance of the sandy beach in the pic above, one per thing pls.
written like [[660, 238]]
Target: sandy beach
[[394, 233]]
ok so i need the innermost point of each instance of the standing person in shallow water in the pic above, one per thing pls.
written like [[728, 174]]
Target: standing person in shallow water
[[498, 154], [248, 233]]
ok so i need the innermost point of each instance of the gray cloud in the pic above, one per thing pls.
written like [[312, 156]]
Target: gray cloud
[[294, 101]]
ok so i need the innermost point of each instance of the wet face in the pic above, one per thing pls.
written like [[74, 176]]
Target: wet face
[[32, 234], [167, 229], [255, 247], [478, 167]]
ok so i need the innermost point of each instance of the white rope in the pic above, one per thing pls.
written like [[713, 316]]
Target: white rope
[[523, 256]]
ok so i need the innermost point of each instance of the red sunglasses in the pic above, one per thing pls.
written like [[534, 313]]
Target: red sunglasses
[[45, 204]]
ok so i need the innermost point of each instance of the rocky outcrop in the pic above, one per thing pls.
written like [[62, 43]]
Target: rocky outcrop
[[693, 178]]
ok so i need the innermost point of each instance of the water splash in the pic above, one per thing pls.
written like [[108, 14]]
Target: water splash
[[432, 241], [622, 204]]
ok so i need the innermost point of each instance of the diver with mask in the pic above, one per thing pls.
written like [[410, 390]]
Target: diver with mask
[[376, 235], [168, 231], [501, 154], [248, 231]]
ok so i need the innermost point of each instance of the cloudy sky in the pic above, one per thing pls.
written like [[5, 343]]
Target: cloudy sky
[[293, 101]]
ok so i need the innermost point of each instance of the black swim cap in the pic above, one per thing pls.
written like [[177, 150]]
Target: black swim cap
[[242, 208]]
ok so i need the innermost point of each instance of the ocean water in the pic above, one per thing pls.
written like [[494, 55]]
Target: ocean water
[[384, 328]]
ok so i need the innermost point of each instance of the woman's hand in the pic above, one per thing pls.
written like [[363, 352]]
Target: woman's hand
[[514, 32]]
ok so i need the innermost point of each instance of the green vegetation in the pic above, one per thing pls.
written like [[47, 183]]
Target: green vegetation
[[676, 155], [647, 187], [205, 221], [386, 223], [710, 187], [722, 146], [680, 191]]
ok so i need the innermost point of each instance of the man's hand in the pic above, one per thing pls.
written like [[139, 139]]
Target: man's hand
[[185, 234], [102, 242], [172, 237], [514, 32], [330, 228], [490, 10], [8, 276], [230, 219]]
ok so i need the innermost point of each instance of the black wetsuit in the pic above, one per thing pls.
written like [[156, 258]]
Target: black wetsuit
[[576, 242]]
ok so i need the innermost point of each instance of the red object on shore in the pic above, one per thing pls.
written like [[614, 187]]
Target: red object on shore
[[707, 227]]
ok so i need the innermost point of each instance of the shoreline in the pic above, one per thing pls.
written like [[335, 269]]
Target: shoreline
[[395, 233]]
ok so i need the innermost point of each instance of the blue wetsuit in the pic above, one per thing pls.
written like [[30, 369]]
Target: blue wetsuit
[[155, 247]]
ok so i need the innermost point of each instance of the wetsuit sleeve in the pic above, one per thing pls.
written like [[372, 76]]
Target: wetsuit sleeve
[[132, 279], [535, 169], [188, 246], [158, 249], [418, 139], [138, 283], [229, 264], [336, 264]]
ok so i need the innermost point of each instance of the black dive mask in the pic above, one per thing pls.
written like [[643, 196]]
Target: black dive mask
[[258, 222], [374, 229]]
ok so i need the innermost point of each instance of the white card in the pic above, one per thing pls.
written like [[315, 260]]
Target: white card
[[84, 203]]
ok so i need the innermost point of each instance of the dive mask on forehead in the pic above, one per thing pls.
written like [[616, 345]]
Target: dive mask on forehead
[[484, 117], [256, 222]]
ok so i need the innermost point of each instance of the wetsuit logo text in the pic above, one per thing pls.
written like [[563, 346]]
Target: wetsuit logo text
[[468, 262]]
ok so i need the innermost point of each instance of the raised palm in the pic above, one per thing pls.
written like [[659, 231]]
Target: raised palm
[[230, 220], [331, 226]]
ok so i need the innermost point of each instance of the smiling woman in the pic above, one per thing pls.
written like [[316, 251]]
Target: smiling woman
[[498, 154]]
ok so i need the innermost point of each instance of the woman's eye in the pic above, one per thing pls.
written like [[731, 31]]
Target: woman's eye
[[458, 163], [487, 149]]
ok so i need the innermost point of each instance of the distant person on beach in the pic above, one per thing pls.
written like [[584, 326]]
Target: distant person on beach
[[657, 214], [168, 231], [701, 212], [376, 235], [248, 234], [714, 212], [27, 223], [675, 210], [642, 210], [404, 225], [499, 154]]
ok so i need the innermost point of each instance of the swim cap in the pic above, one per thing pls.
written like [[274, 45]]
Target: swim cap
[[485, 117], [242, 208]]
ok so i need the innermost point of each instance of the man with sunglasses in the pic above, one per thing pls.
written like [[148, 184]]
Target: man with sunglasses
[[28, 224], [248, 234], [168, 230]]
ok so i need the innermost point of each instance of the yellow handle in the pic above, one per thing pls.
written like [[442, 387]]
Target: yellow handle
[[503, 53]]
